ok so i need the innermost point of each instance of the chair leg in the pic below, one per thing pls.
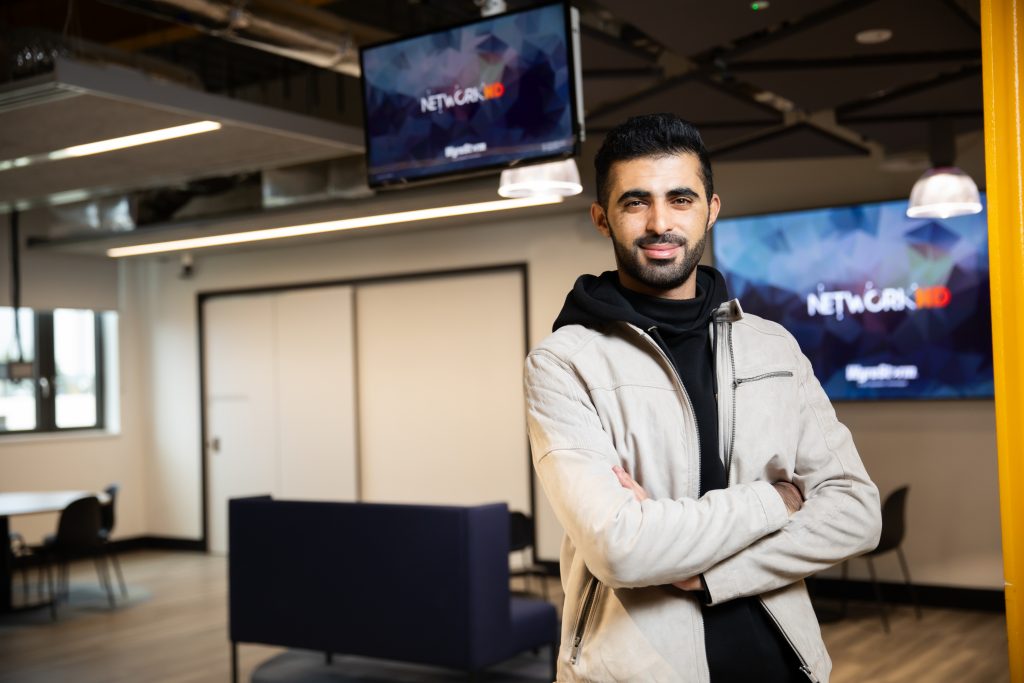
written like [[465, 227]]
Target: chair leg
[[234, 662], [120, 577], [910, 586], [104, 577], [878, 595], [329, 658], [53, 592]]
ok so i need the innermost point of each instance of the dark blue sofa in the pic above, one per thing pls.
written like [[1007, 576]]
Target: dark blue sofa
[[414, 583]]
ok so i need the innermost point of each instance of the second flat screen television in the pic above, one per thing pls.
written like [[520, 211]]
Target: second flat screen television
[[490, 94], [885, 306]]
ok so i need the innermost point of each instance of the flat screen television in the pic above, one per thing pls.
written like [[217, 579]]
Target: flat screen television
[[884, 306], [493, 93]]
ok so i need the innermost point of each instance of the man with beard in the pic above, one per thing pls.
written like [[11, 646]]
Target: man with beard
[[687, 449]]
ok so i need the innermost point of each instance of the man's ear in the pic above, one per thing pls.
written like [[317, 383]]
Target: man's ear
[[600, 219], [713, 208]]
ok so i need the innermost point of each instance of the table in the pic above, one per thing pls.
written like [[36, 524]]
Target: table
[[28, 503]]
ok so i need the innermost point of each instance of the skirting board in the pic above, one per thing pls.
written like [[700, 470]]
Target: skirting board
[[157, 543], [981, 599]]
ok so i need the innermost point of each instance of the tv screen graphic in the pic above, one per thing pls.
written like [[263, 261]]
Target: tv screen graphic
[[885, 306], [493, 93]]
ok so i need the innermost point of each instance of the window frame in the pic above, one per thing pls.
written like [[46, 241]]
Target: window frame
[[45, 366]]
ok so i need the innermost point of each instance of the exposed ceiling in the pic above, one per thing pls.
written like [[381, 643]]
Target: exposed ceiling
[[789, 80]]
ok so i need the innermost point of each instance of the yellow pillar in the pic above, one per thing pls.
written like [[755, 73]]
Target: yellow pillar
[[1002, 43]]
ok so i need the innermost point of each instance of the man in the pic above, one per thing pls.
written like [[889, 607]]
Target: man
[[686, 447]]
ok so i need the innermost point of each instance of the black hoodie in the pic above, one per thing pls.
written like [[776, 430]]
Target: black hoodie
[[681, 328], [741, 641]]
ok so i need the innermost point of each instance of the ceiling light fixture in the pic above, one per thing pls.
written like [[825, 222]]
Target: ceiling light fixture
[[555, 178], [873, 36], [944, 191], [331, 226], [112, 144]]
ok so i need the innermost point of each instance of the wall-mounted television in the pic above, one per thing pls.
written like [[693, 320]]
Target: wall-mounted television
[[884, 306], [493, 93]]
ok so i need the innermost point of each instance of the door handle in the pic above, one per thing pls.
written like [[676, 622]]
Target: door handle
[[215, 444]]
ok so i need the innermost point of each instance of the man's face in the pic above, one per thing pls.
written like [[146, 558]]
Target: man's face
[[658, 219]]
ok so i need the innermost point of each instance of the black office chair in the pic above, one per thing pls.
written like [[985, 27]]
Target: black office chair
[[893, 530], [520, 531], [106, 528], [23, 558], [78, 536]]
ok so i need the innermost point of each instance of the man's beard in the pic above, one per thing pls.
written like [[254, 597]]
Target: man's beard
[[660, 275]]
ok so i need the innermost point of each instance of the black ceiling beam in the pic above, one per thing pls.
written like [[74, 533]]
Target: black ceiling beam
[[637, 72], [702, 125], [965, 16], [967, 72], [710, 62], [923, 116], [658, 87], [671, 82], [619, 43], [855, 62], [786, 30], [787, 130]]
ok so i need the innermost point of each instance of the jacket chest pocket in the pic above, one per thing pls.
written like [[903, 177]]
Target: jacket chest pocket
[[766, 419]]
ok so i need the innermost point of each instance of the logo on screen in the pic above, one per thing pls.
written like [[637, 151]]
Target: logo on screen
[[881, 375], [932, 297], [442, 101], [841, 302]]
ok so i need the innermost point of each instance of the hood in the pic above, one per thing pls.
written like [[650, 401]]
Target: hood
[[597, 300]]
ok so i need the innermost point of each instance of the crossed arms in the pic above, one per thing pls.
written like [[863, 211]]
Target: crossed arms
[[744, 540]]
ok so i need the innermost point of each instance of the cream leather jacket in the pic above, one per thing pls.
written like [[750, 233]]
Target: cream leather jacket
[[600, 398]]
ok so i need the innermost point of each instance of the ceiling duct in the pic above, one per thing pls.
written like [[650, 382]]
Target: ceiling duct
[[343, 178], [283, 28]]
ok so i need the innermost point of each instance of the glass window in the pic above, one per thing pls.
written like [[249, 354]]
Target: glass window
[[58, 383], [74, 352], [17, 398]]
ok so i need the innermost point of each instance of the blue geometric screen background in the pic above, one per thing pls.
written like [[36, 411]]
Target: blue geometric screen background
[[486, 94], [885, 306]]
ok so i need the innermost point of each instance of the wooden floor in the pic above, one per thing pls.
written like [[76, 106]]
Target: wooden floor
[[173, 629]]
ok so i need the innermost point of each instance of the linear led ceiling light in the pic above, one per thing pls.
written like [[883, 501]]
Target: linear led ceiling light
[[331, 226], [112, 144]]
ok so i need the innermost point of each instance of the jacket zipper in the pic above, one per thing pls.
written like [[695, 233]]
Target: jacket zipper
[[766, 375], [583, 618], [732, 414], [804, 668], [689, 404], [694, 487]]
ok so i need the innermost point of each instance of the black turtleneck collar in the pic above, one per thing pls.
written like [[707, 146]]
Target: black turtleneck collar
[[598, 300]]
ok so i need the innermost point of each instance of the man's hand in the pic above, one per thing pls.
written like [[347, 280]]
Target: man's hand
[[627, 482], [790, 496]]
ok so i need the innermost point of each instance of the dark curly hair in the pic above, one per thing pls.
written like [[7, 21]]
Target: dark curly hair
[[651, 135]]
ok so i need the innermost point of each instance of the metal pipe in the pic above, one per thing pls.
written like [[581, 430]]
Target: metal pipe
[[283, 28]]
